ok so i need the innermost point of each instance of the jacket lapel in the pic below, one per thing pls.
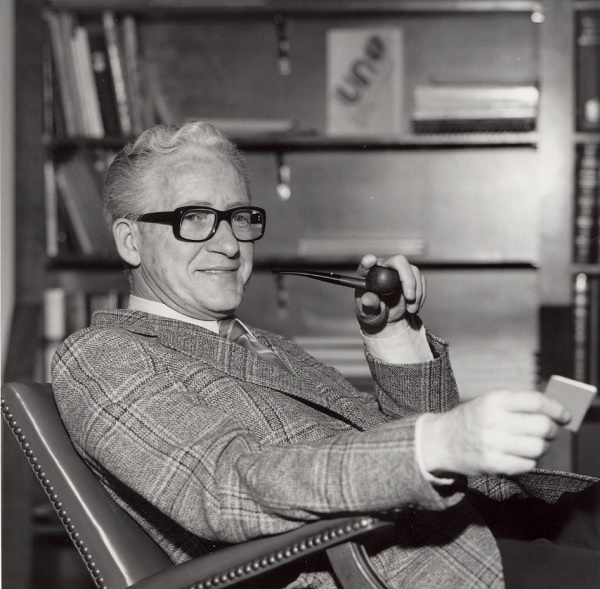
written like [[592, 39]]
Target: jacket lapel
[[300, 381]]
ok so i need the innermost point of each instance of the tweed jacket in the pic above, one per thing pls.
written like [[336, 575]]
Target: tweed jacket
[[207, 444]]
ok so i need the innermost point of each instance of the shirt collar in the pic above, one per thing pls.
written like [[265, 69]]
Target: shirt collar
[[162, 310]]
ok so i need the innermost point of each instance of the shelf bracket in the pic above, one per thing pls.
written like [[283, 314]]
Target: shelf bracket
[[283, 45], [284, 177]]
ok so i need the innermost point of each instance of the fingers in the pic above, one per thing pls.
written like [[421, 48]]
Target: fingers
[[374, 312], [535, 403], [366, 263], [413, 283], [530, 447], [410, 277], [502, 432], [537, 425]]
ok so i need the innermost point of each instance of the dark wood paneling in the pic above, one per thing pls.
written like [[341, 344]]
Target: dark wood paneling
[[29, 174]]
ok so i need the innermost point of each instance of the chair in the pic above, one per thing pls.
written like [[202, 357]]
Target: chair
[[119, 554]]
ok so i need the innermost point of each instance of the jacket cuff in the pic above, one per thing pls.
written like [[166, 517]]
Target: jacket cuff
[[425, 387]]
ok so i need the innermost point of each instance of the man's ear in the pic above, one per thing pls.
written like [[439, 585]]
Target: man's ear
[[127, 238]]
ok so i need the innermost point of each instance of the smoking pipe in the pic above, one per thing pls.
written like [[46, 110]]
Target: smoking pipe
[[380, 280]]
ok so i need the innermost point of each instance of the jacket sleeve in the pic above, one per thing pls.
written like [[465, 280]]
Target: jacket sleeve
[[400, 389], [407, 389], [128, 416]]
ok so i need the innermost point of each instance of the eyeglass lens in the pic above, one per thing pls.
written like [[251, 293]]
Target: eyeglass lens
[[198, 224]]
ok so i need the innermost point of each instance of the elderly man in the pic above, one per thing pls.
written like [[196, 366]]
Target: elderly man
[[210, 432]]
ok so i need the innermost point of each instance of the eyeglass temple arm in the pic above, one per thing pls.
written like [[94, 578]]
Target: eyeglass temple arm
[[166, 217]]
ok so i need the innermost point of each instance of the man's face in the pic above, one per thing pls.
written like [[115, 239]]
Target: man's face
[[204, 280]]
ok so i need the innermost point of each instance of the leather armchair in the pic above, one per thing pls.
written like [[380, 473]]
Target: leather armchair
[[119, 554]]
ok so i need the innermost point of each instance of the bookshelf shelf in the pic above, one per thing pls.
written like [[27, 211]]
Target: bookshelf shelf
[[300, 7], [589, 269], [72, 262], [586, 5], [313, 142], [587, 138]]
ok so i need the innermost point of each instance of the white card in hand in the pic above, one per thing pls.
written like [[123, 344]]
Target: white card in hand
[[574, 395]]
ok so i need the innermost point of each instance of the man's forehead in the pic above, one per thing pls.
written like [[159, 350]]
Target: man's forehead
[[195, 170]]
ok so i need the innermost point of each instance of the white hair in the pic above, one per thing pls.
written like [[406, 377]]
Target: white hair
[[129, 179]]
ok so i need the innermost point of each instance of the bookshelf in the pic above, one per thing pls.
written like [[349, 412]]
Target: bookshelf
[[482, 213], [585, 270]]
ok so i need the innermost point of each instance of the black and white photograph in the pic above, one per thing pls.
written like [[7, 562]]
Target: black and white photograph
[[300, 294]]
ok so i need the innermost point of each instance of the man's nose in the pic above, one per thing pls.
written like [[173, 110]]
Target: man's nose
[[224, 240]]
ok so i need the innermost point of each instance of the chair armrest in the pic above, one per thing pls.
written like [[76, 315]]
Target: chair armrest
[[241, 562]]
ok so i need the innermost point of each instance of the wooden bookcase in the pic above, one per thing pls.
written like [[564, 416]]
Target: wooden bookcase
[[487, 215]]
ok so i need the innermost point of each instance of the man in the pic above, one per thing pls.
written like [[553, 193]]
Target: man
[[206, 442]]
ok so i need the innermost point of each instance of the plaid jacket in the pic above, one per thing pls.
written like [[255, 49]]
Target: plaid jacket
[[206, 444]]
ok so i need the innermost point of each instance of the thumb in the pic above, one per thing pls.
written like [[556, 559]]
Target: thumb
[[370, 310]]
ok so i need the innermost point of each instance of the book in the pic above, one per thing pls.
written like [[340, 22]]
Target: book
[[103, 79], [587, 70], [78, 189], [62, 57], [247, 126], [48, 77], [581, 335], [474, 108], [586, 246], [133, 77], [54, 323], [118, 74], [67, 30], [85, 83], [365, 73], [594, 331], [51, 210]]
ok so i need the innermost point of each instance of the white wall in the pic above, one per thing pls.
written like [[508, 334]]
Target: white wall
[[6, 169]]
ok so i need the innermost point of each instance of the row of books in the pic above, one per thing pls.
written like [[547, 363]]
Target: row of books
[[587, 59], [74, 217], [66, 312], [96, 76], [586, 240], [586, 337]]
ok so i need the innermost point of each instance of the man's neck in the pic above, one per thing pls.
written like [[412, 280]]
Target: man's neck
[[137, 303]]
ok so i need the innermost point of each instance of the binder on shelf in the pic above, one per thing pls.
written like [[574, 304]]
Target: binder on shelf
[[78, 190], [365, 76], [587, 70], [448, 108], [586, 242]]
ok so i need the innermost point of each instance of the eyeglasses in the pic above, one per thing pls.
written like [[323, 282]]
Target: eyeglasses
[[201, 223]]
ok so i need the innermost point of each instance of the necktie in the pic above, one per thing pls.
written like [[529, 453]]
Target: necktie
[[234, 330]]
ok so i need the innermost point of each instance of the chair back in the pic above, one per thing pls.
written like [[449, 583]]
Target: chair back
[[115, 549]]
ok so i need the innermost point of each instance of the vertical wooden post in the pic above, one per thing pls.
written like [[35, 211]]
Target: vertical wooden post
[[17, 478]]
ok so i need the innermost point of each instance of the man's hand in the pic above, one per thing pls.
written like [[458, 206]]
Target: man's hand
[[502, 432], [374, 312]]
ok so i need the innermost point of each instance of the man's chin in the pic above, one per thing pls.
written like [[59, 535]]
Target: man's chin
[[222, 306]]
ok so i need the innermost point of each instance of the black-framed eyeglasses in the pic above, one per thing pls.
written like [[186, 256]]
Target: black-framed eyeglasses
[[201, 223]]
